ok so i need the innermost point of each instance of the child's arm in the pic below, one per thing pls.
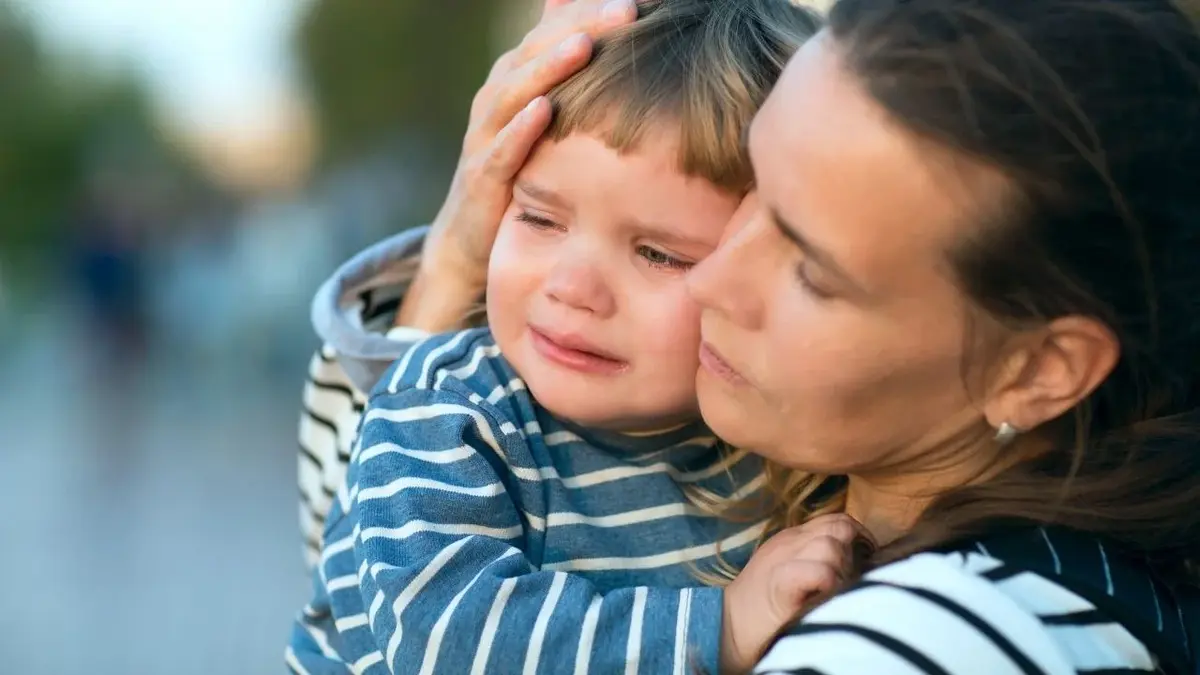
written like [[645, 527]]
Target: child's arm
[[436, 541]]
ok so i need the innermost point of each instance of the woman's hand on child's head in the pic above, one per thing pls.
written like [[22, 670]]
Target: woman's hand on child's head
[[558, 46], [508, 115], [784, 574]]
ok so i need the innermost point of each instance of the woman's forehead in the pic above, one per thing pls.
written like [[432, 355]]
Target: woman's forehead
[[832, 163]]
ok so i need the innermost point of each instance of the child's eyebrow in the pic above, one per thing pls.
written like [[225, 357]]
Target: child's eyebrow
[[666, 234], [542, 194]]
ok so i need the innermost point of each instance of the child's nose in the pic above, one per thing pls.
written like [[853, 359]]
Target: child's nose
[[580, 285]]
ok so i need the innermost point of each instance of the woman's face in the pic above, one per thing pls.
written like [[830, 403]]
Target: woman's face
[[833, 334]]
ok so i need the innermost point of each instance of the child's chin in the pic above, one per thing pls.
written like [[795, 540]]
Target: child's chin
[[580, 405]]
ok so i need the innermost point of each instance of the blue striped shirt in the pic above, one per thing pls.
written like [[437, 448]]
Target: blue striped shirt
[[476, 533]]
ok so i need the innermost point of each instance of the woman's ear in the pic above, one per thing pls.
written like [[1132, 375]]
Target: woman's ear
[[1049, 371]]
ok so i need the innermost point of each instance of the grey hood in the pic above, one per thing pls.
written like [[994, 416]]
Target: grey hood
[[354, 310]]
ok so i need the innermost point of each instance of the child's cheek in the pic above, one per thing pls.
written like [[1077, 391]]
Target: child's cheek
[[672, 330]]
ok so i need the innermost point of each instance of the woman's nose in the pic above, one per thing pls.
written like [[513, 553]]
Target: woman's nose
[[727, 281]]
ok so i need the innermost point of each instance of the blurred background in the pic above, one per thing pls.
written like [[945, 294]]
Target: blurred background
[[176, 177]]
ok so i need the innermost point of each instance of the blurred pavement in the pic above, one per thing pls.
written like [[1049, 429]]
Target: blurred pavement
[[149, 525]]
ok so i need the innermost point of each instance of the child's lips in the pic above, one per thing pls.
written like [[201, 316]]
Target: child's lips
[[576, 342], [575, 352]]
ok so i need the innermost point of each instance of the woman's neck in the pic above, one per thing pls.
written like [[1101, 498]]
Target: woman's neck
[[889, 503], [887, 511]]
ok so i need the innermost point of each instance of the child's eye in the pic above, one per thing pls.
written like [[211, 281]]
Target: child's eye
[[657, 258], [535, 221]]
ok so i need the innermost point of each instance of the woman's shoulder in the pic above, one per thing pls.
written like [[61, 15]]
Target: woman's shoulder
[[948, 613]]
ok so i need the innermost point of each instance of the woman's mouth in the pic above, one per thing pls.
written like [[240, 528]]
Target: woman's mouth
[[713, 362]]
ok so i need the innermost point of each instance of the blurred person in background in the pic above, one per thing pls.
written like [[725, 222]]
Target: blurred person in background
[[110, 273], [108, 263]]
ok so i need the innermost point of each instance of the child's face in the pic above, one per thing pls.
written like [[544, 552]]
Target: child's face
[[586, 293]]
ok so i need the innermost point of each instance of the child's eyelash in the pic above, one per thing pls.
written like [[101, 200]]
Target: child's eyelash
[[535, 220], [657, 258]]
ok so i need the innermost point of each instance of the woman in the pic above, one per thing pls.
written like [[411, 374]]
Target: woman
[[967, 291], [970, 288]]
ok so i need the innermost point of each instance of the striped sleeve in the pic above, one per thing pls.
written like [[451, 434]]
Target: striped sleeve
[[929, 615], [445, 578], [328, 423], [332, 408]]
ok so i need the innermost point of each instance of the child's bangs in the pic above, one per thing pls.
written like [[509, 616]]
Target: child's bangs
[[687, 69], [621, 111]]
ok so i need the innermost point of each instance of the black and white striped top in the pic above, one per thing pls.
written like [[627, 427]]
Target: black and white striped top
[[333, 406], [353, 313], [973, 612]]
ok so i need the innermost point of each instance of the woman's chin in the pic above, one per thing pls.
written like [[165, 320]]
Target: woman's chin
[[726, 416], [748, 425]]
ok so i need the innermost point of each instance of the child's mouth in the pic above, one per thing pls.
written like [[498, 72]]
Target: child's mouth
[[574, 353]]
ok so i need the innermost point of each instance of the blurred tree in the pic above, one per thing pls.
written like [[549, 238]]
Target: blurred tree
[[378, 69], [55, 120]]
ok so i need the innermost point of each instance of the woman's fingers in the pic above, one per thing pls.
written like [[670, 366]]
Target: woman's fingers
[[554, 50], [590, 17], [551, 5], [534, 79], [515, 141], [463, 233]]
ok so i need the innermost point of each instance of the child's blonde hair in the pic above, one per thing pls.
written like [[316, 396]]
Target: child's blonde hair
[[699, 69]]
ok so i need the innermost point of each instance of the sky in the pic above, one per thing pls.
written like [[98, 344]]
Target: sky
[[211, 64]]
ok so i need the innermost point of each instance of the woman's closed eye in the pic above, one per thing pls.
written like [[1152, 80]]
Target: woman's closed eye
[[662, 259], [806, 283]]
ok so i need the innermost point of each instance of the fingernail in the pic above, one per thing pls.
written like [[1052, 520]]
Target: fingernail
[[571, 44], [618, 9], [527, 111]]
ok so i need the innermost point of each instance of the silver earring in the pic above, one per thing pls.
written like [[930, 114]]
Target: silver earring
[[1006, 433]]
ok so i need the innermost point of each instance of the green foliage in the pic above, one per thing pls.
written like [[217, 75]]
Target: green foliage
[[53, 122], [375, 68]]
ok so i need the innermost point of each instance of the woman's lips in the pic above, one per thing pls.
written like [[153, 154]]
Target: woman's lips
[[713, 362], [576, 353]]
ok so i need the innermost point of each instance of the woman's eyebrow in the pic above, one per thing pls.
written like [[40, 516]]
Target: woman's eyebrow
[[814, 253]]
